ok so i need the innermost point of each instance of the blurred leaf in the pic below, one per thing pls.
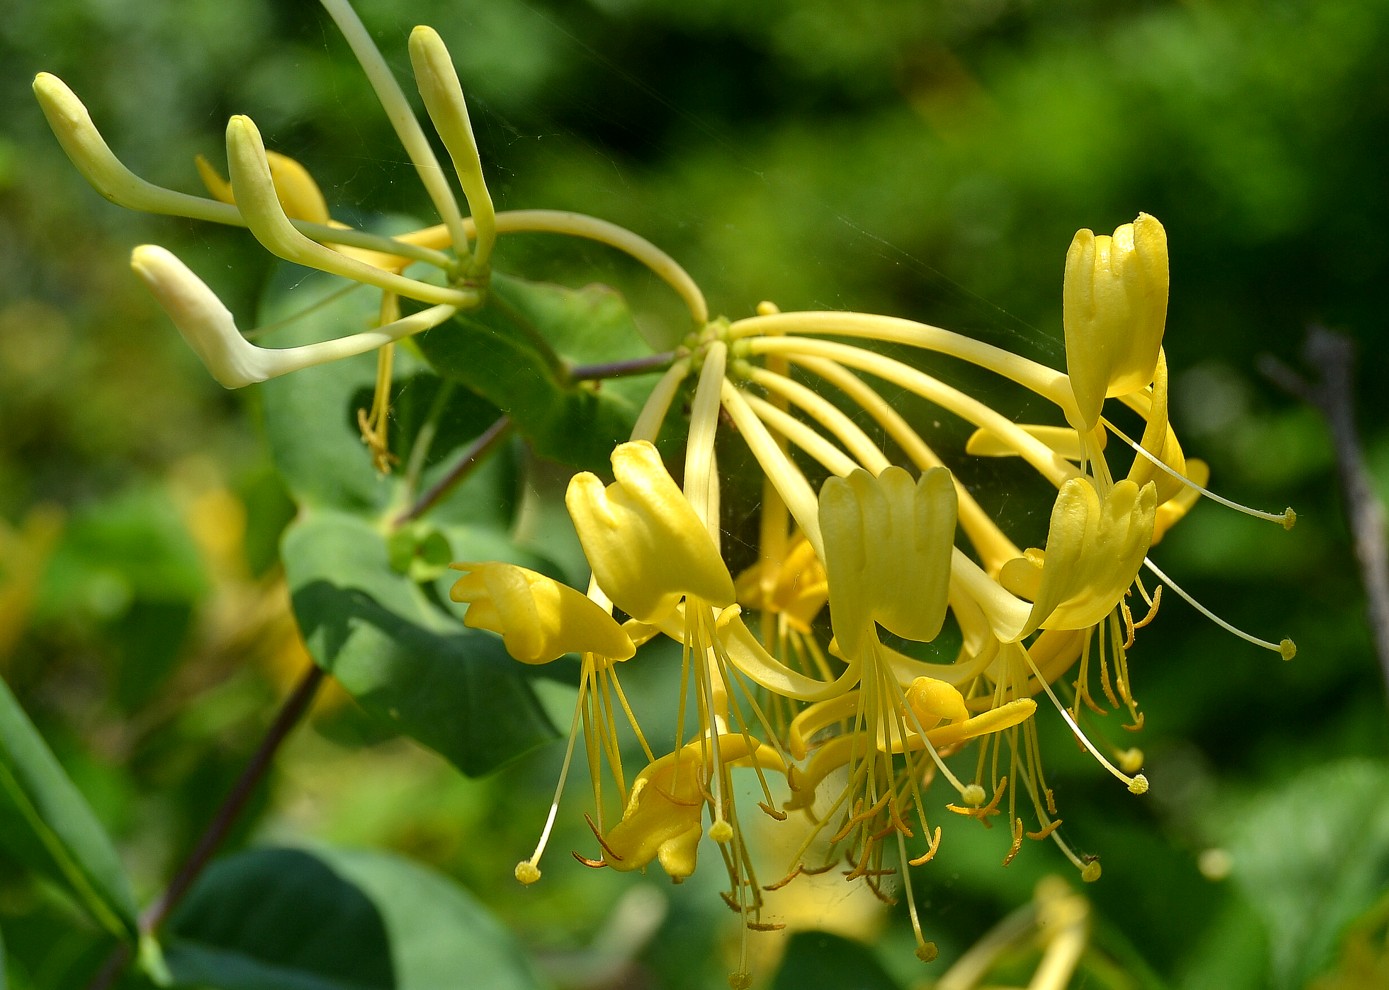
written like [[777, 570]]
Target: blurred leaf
[[48, 826], [1311, 856], [819, 959], [329, 919], [128, 547], [495, 352], [399, 653]]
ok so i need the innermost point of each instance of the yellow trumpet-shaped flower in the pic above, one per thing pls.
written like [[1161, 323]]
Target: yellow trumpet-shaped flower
[[647, 547], [1095, 546], [888, 547], [664, 816], [538, 618], [1114, 311]]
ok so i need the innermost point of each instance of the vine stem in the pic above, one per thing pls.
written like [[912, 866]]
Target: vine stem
[[475, 451], [1332, 356], [620, 369], [291, 711]]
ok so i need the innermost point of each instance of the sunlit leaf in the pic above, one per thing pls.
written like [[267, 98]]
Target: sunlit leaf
[[401, 649], [495, 351]]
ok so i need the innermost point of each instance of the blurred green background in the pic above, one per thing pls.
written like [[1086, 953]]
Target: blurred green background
[[912, 157]]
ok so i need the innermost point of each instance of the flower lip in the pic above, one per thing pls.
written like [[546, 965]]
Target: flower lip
[[647, 547]]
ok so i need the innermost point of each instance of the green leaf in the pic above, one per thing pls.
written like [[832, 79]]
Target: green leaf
[[496, 352], [49, 827], [311, 415], [819, 959], [1312, 856], [406, 657], [332, 919]]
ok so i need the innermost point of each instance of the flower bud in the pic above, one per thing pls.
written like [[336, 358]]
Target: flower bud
[[1114, 311]]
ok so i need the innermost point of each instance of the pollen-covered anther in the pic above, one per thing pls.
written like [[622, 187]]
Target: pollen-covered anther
[[930, 852], [1017, 841]]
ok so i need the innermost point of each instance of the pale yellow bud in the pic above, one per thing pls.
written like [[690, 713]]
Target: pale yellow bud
[[1114, 311]]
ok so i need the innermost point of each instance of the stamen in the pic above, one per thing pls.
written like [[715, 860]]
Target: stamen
[[528, 870], [1137, 784], [1017, 842], [1287, 518], [1285, 648]]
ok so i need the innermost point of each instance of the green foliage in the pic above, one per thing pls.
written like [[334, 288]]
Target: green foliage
[[928, 159], [46, 824], [336, 919], [517, 349], [369, 593]]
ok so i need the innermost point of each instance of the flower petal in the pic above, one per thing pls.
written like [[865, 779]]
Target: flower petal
[[888, 548], [1114, 310], [642, 538], [538, 618]]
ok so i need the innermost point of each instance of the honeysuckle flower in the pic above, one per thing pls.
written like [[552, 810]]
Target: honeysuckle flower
[[1115, 310], [1094, 550], [647, 547], [538, 618], [663, 820]]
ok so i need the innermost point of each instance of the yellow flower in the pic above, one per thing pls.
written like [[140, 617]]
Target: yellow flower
[[1095, 547], [889, 541], [1115, 309], [647, 547], [538, 618], [663, 819]]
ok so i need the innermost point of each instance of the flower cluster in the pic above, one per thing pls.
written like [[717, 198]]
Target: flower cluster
[[821, 667], [849, 722]]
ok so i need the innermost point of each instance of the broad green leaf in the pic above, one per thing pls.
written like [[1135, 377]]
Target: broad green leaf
[[48, 826], [311, 415], [493, 351], [332, 919], [401, 649], [1310, 857], [369, 593]]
